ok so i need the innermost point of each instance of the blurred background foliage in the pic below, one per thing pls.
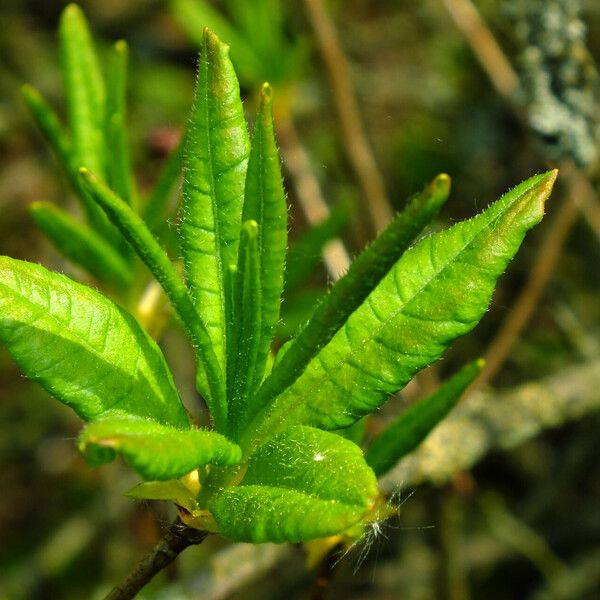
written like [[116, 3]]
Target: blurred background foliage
[[521, 523]]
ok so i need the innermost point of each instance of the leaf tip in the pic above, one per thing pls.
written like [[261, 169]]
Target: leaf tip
[[72, 12], [212, 43], [442, 181], [250, 228], [28, 91], [266, 92], [439, 188], [38, 206], [121, 47], [544, 186], [71, 9]]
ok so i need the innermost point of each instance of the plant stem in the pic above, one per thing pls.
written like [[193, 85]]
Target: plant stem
[[357, 145], [308, 193], [325, 574], [175, 540], [489, 54]]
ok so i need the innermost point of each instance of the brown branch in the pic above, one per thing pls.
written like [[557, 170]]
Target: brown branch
[[588, 204], [175, 540], [487, 421], [325, 574], [482, 42], [355, 138], [308, 193]]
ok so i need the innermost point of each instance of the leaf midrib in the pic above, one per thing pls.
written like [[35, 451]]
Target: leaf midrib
[[215, 213]]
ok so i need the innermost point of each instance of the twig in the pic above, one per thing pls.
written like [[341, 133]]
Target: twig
[[356, 143], [175, 540], [324, 578], [518, 535], [485, 47], [453, 568], [233, 568], [541, 272], [589, 206], [308, 193]]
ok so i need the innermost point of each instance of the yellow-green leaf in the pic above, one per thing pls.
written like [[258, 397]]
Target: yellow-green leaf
[[155, 451]]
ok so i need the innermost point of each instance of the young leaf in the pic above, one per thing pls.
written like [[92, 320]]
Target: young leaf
[[81, 245], [82, 348], [303, 484], [436, 292], [349, 292], [173, 491], [118, 167], [155, 451], [405, 433], [265, 203], [245, 338], [216, 157], [52, 130], [49, 125], [84, 85], [140, 237]]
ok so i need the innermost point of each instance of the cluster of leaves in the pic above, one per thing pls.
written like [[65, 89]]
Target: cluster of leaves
[[96, 137], [274, 467], [257, 34]]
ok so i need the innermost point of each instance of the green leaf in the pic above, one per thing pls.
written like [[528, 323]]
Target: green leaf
[[155, 451], [216, 158], [303, 484], [349, 292], [265, 203], [156, 259], [119, 172], [49, 125], [436, 292], [84, 86], [405, 433], [81, 245], [245, 339], [52, 130], [83, 349]]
